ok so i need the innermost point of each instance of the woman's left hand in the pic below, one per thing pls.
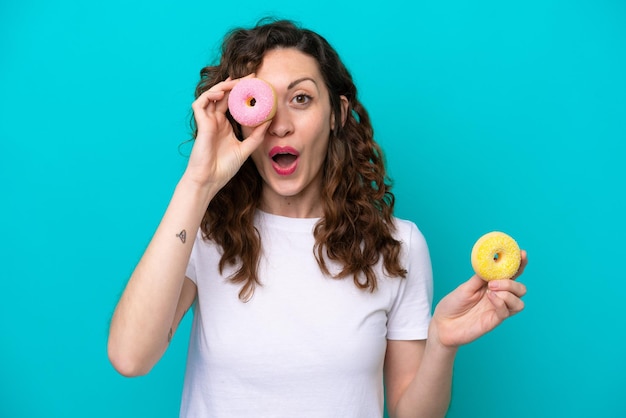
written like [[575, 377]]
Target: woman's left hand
[[477, 307]]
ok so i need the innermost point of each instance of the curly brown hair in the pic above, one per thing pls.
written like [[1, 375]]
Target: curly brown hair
[[357, 226]]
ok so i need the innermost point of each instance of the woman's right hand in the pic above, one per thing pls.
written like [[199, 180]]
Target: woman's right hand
[[217, 154]]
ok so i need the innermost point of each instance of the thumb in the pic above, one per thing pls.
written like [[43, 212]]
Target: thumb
[[473, 285], [255, 139]]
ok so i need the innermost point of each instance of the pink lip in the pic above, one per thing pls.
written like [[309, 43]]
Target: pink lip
[[284, 171]]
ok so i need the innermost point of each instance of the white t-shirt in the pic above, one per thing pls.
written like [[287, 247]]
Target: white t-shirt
[[306, 345]]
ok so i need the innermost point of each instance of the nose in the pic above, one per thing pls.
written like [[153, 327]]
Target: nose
[[281, 124]]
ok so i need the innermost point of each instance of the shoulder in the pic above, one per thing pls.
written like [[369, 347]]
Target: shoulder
[[408, 233], [414, 252]]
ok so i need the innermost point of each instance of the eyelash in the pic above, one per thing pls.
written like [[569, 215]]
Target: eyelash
[[302, 96]]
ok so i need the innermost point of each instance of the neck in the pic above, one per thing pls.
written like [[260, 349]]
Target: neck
[[292, 206]]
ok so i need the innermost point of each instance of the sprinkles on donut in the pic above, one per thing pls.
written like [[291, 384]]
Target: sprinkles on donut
[[252, 101], [496, 256]]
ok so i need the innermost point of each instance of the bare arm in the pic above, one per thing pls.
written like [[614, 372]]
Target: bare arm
[[418, 374], [157, 294], [418, 378]]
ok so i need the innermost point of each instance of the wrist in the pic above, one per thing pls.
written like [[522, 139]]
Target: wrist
[[204, 190], [436, 344], [198, 192]]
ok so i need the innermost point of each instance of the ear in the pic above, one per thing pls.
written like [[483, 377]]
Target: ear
[[344, 111]]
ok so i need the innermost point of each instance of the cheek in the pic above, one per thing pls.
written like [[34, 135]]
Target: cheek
[[320, 148], [257, 157]]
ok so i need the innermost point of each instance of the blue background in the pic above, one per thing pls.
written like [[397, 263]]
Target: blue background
[[493, 115]]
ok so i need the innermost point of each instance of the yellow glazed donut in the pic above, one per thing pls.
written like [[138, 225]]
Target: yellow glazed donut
[[496, 256]]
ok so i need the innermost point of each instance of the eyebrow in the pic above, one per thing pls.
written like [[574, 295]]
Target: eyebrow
[[298, 81]]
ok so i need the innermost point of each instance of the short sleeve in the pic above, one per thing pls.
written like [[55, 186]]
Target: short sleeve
[[410, 313], [191, 265]]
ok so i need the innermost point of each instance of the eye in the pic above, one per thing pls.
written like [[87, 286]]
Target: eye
[[302, 99]]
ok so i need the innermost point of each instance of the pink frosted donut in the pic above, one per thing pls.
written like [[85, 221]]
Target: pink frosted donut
[[252, 101]]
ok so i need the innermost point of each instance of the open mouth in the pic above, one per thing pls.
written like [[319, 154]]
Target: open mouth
[[285, 159]]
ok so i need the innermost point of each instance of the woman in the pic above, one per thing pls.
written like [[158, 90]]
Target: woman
[[308, 291]]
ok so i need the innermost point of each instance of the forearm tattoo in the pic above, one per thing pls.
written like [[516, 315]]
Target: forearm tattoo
[[170, 334], [182, 235]]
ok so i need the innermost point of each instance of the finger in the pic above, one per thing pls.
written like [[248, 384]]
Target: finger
[[255, 139], [222, 105], [214, 94], [497, 300], [512, 303], [515, 287], [471, 288], [227, 85], [522, 265], [205, 104], [474, 284], [515, 305], [208, 97]]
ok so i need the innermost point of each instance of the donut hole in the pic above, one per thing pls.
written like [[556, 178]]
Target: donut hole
[[251, 102], [496, 257]]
